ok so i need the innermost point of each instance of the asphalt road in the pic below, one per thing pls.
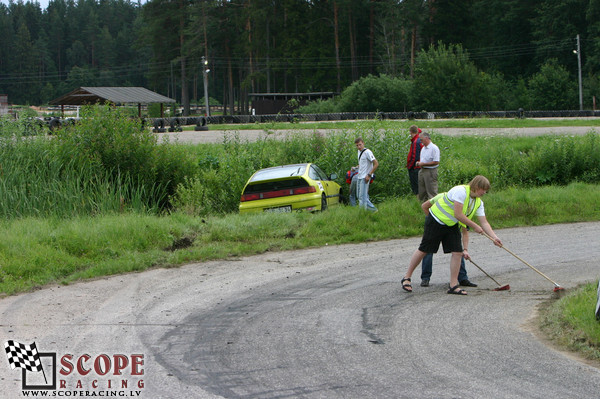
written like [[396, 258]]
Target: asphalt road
[[328, 322]]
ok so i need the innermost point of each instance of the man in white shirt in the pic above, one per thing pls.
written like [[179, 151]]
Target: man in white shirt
[[429, 162], [367, 164]]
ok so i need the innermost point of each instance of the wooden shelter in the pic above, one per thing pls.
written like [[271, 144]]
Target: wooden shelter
[[114, 95]]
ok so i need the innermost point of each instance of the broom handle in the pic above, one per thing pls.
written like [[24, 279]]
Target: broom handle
[[516, 256], [484, 272]]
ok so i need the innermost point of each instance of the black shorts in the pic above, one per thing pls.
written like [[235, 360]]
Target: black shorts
[[435, 233]]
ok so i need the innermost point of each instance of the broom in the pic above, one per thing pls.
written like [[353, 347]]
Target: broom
[[500, 286], [556, 286]]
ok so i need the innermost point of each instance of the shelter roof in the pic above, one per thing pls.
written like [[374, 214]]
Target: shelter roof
[[117, 95]]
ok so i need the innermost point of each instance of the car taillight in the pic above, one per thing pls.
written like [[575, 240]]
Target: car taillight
[[278, 193], [250, 197], [305, 190]]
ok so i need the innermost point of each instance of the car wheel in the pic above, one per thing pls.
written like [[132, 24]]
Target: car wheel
[[323, 203]]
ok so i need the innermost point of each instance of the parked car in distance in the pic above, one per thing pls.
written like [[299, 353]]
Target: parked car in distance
[[287, 188]]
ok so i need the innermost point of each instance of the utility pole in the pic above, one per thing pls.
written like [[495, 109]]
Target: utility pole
[[205, 72], [578, 52]]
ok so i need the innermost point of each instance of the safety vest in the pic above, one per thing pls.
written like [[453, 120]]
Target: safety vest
[[443, 209]]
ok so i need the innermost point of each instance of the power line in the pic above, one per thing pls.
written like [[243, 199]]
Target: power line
[[284, 63]]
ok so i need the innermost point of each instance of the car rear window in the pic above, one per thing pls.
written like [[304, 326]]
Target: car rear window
[[275, 185], [279, 172]]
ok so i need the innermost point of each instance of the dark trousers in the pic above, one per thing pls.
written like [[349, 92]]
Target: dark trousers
[[413, 177], [427, 268]]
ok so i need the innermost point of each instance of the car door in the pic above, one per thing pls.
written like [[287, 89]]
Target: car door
[[328, 186]]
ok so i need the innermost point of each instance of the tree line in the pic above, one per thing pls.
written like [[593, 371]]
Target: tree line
[[269, 46]]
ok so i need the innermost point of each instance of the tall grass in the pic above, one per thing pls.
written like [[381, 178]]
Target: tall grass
[[107, 163], [507, 162]]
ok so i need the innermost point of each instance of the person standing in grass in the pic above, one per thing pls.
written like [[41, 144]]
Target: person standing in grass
[[455, 210], [414, 155], [367, 165], [428, 172]]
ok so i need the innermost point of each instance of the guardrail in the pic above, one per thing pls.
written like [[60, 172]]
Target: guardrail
[[221, 119]]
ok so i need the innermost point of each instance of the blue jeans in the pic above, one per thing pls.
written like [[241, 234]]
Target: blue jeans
[[353, 189], [427, 266], [363, 196]]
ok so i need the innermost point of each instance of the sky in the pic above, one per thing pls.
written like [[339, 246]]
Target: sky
[[43, 3]]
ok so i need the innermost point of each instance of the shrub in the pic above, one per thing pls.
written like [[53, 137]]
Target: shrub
[[105, 163], [368, 94], [109, 141], [372, 94], [445, 80], [566, 159], [552, 88]]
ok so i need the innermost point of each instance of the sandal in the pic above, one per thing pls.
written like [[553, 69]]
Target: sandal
[[406, 287], [456, 290]]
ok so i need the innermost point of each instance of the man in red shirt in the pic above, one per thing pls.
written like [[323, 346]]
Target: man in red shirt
[[414, 154]]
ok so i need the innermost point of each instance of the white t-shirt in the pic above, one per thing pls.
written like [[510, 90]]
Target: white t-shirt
[[365, 163], [459, 194]]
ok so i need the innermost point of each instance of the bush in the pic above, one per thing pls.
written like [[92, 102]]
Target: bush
[[107, 140], [154, 110], [372, 94], [35, 182], [446, 80], [368, 94], [105, 163], [552, 88], [567, 159], [320, 107]]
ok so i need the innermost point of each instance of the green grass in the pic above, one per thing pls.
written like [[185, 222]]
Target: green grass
[[39, 251], [571, 321]]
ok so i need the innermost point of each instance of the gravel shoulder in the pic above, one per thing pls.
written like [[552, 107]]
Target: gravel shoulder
[[217, 136]]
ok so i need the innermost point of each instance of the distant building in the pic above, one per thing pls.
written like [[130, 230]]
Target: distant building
[[114, 95], [275, 103], [3, 104]]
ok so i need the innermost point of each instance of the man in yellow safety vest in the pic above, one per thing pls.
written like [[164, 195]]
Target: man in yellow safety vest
[[447, 217]]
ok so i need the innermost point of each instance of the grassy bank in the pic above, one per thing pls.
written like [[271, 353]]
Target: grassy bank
[[571, 322], [40, 251]]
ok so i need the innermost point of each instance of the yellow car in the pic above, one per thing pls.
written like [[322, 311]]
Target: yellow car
[[287, 188]]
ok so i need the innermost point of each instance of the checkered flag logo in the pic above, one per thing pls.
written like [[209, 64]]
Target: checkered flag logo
[[23, 356]]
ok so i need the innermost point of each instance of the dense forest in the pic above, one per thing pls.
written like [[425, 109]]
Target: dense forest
[[267, 46]]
